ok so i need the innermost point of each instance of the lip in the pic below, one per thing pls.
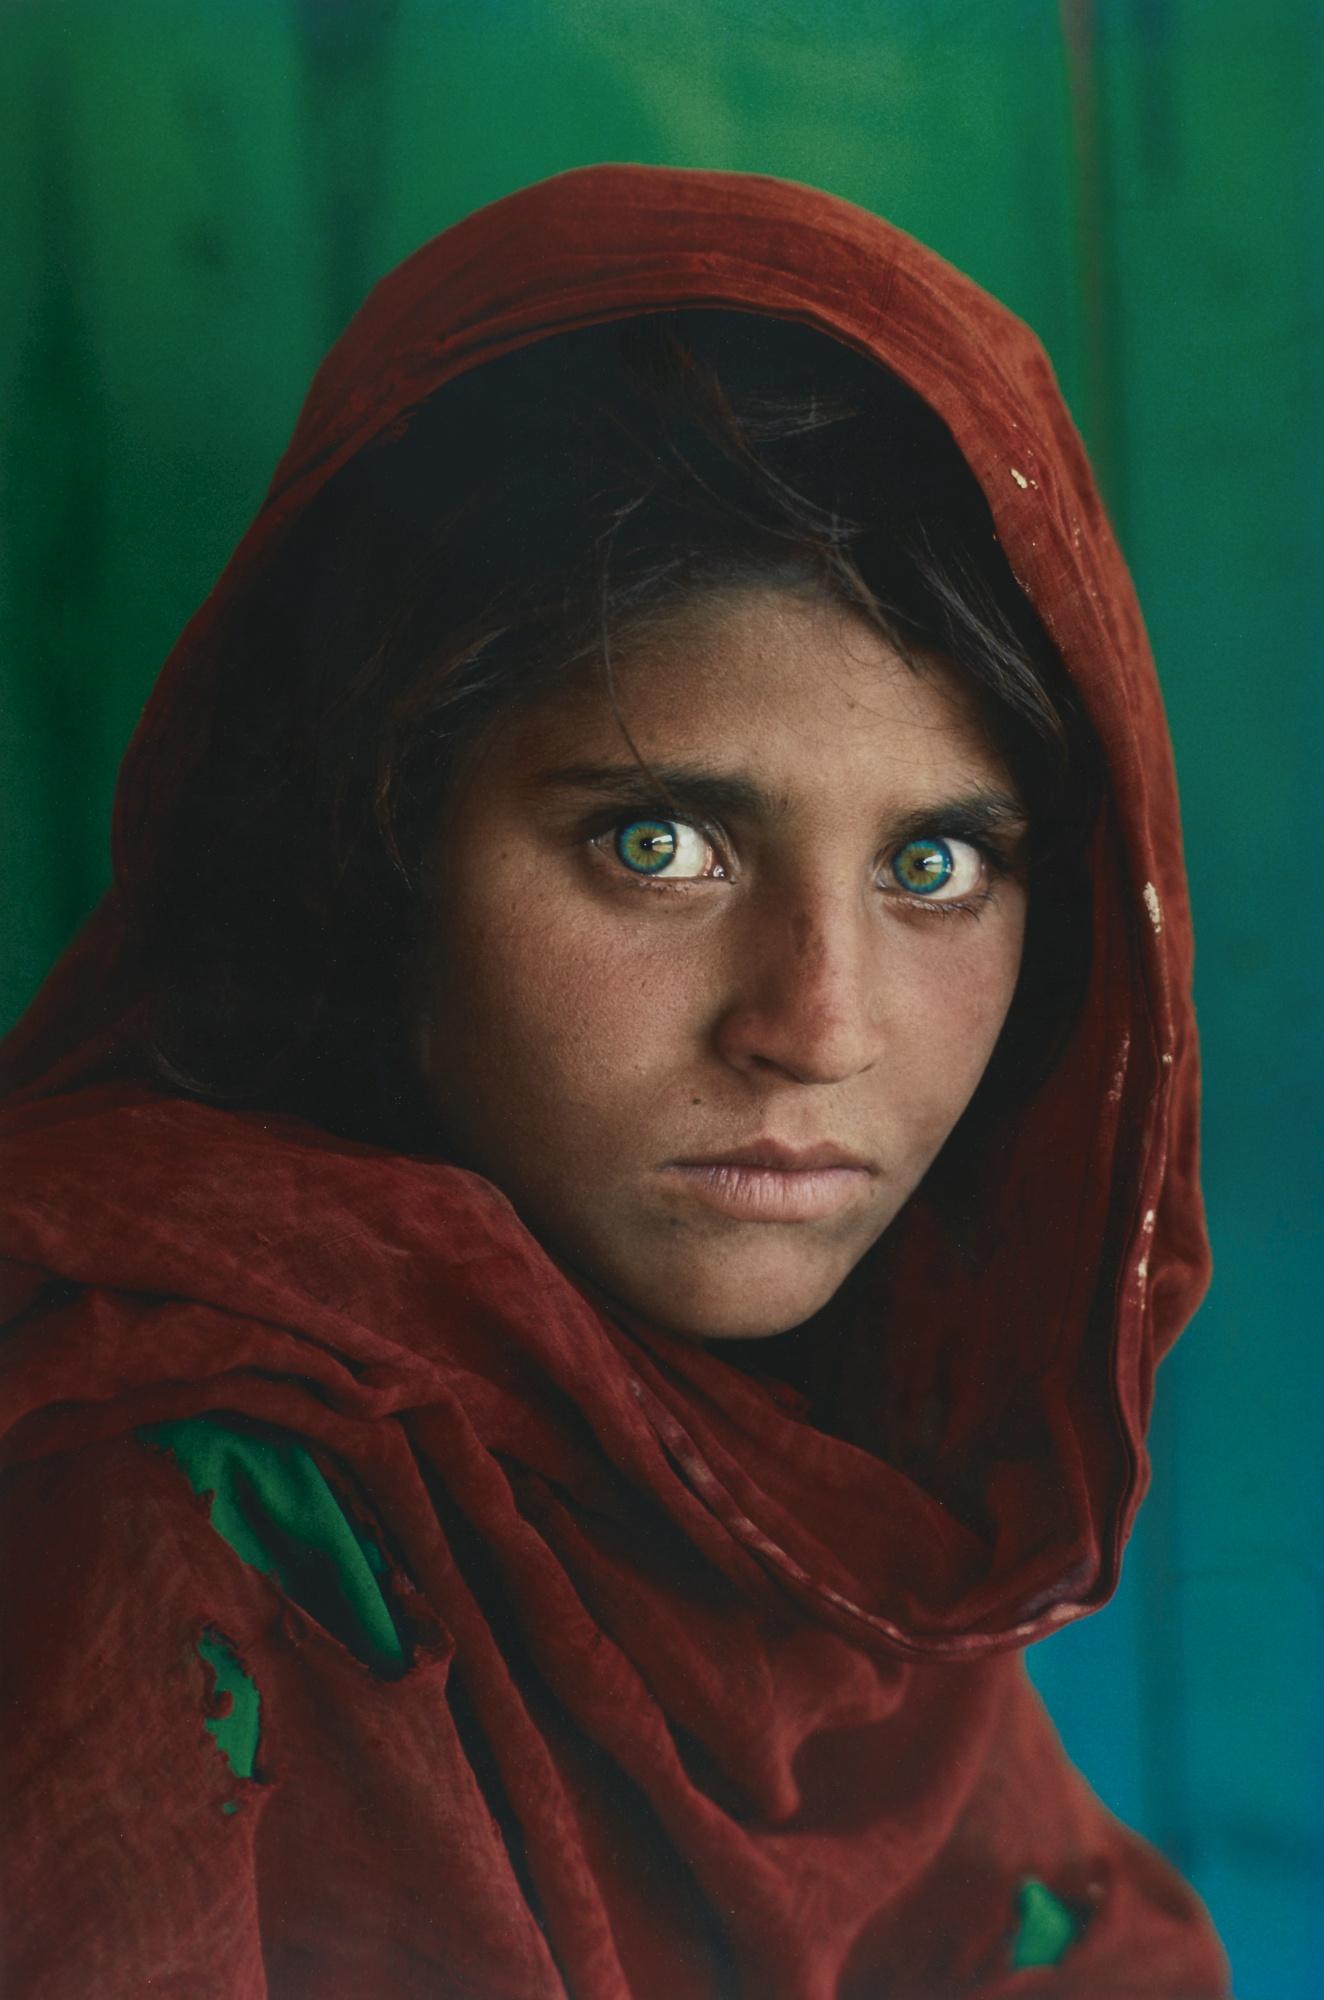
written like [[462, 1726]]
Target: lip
[[781, 1158], [770, 1182]]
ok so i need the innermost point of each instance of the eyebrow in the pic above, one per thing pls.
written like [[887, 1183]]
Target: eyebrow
[[707, 794]]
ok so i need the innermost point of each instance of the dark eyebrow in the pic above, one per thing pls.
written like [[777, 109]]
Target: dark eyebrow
[[690, 787], [718, 795], [974, 815]]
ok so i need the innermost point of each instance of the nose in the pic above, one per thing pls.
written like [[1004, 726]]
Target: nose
[[803, 995]]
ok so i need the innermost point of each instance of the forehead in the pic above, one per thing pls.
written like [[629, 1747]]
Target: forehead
[[798, 690]]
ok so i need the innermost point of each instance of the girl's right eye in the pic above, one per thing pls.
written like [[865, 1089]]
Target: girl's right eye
[[672, 849]]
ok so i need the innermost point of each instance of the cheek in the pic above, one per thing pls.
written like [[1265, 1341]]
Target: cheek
[[956, 1000], [979, 980], [544, 1022]]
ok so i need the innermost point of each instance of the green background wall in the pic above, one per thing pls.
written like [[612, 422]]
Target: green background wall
[[194, 194]]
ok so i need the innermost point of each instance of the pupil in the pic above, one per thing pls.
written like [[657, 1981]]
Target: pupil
[[646, 845], [924, 865]]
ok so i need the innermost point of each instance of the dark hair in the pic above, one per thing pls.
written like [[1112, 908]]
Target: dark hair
[[526, 517]]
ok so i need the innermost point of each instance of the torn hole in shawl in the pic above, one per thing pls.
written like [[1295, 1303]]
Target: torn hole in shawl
[[270, 1500], [235, 1721], [1047, 1927]]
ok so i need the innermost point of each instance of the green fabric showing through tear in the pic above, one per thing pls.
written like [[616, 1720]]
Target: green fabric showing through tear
[[1047, 1927], [236, 1732], [272, 1504]]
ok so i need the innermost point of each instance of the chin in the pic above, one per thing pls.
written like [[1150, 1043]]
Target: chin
[[733, 1305]]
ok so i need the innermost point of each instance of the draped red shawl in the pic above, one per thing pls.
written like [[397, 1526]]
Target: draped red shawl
[[750, 1696]]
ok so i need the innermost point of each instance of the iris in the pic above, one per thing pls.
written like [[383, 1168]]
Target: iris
[[923, 865], [646, 845]]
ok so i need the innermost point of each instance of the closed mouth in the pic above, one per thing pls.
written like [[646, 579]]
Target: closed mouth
[[754, 1192], [773, 1156]]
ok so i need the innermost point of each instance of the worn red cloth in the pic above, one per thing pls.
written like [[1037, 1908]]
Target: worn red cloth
[[705, 1699]]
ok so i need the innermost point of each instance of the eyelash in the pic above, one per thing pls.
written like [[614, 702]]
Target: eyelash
[[611, 823]]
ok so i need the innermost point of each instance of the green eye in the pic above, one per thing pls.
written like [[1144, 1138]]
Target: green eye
[[673, 848], [923, 866], [647, 845]]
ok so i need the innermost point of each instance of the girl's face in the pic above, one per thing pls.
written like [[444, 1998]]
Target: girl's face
[[709, 1040]]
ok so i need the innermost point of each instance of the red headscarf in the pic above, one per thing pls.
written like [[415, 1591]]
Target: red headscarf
[[752, 1692]]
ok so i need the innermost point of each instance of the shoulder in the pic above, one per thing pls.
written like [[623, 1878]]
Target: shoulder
[[123, 1832], [107, 1558], [212, 1513]]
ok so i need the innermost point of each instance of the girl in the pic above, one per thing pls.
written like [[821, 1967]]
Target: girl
[[599, 1203]]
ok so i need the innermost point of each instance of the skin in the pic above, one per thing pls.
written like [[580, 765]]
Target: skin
[[581, 1027]]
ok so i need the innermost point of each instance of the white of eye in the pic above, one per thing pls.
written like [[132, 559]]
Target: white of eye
[[910, 869], [689, 857], [967, 871]]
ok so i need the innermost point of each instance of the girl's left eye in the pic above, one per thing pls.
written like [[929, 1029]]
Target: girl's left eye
[[940, 871], [669, 847]]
